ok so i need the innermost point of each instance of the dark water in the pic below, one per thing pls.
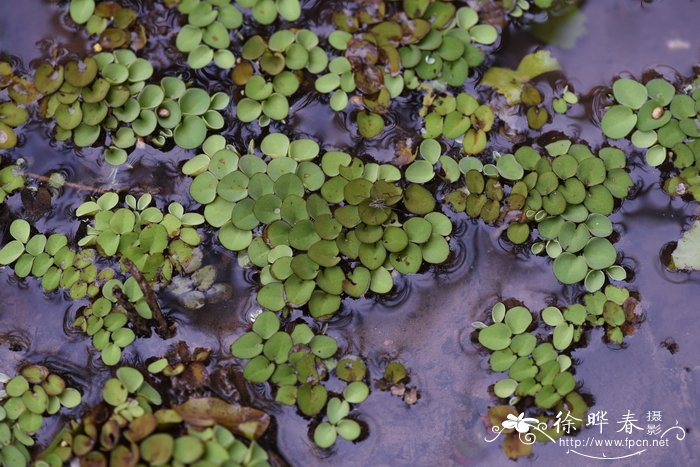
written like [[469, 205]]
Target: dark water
[[426, 323]]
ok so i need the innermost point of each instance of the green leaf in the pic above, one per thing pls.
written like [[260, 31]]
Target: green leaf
[[323, 346], [266, 324], [311, 398], [509, 82], [81, 10], [10, 252], [630, 93], [505, 388], [369, 124], [348, 429], [496, 336], [258, 370], [599, 253], [518, 319], [569, 268], [563, 336], [687, 252], [247, 346], [356, 392], [325, 435], [618, 121], [552, 316]]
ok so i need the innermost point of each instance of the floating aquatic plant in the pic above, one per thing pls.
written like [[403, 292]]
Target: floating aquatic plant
[[132, 424], [265, 100], [386, 51], [153, 247], [567, 195], [297, 363], [282, 57], [686, 255], [510, 83], [337, 424], [535, 368], [662, 121], [109, 92], [13, 113], [297, 220], [457, 117], [395, 380], [11, 180], [52, 260], [517, 8], [206, 36], [159, 244], [266, 11], [561, 104], [115, 25], [25, 401], [539, 367]]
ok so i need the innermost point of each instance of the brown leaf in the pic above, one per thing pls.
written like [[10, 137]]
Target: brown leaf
[[110, 434], [209, 411], [499, 414], [361, 52], [107, 9], [113, 38], [141, 427], [404, 155], [372, 11], [369, 80], [514, 448]]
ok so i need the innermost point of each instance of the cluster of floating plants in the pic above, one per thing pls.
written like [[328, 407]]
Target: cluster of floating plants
[[535, 351], [297, 363], [51, 259], [458, 118], [536, 368], [538, 115], [25, 400], [13, 114], [109, 92], [566, 195], [297, 218], [152, 247], [159, 244], [133, 426], [561, 104], [513, 83], [663, 121], [390, 49], [116, 26], [395, 380], [11, 180], [318, 226], [57, 265], [205, 37], [517, 8], [283, 58]]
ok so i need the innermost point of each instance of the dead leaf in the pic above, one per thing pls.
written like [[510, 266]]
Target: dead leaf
[[514, 448], [209, 411]]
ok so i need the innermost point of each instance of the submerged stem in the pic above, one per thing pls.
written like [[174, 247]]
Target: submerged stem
[[77, 186], [164, 329]]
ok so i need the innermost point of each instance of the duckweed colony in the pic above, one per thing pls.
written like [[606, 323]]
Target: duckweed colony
[[316, 224]]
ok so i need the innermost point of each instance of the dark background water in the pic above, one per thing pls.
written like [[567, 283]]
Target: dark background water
[[426, 323]]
